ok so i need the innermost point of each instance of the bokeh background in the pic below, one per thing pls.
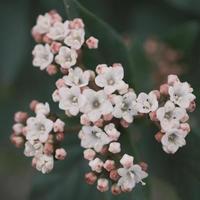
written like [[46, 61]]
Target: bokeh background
[[151, 38]]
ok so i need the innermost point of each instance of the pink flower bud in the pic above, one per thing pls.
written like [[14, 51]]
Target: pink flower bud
[[24, 131], [124, 123], [84, 120], [77, 23], [92, 43], [102, 185], [114, 175], [60, 136], [109, 165], [115, 189], [33, 104], [18, 141], [164, 89], [36, 36], [96, 165], [51, 70], [144, 166], [153, 116], [46, 39], [58, 126], [48, 149], [90, 178], [185, 127], [127, 161], [104, 150], [60, 83], [108, 117], [114, 147], [20, 117], [89, 154], [172, 79], [55, 17], [60, 154], [101, 68], [191, 107], [185, 118], [18, 128], [55, 47], [158, 136]]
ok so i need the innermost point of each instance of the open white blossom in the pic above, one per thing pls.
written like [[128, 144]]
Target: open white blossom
[[96, 165], [42, 108], [95, 104], [75, 38], [147, 102], [44, 163], [172, 140], [38, 128], [112, 132], [170, 116], [125, 106], [111, 79], [70, 99], [130, 177], [42, 56], [43, 24], [59, 31], [93, 137], [33, 148], [66, 57], [77, 77], [181, 94]]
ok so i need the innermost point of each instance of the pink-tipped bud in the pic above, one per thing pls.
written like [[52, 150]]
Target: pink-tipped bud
[[51, 70], [158, 136], [84, 120], [172, 79], [60, 136], [153, 116], [55, 47], [104, 150], [114, 175], [60, 154], [55, 17], [77, 23], [33, 104], [127, 161], [108, 117], [18, 128], [114, 147], [48, 149], [89, 154], [124, 123], [58, 126], [102, 185], [18, 141], [90, 178], [60, 83], [164, 88], [36, 36], [185, 127], [109, 165], [20, 117], [115, 189], [144, 166], [92, 43], [191, 107]]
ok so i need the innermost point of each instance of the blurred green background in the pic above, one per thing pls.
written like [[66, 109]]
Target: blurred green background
[[128, 30]]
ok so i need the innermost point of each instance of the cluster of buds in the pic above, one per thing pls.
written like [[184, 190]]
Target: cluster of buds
[[165, 59], [109, 167], [175, 101], [60, 42], [41, 135]]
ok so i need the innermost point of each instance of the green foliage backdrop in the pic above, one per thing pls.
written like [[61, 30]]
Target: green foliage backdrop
[[176, 22]]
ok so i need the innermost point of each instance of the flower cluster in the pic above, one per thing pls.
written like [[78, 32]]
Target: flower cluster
[[109, 167], [41, 136], [172, 114], [59, 42]]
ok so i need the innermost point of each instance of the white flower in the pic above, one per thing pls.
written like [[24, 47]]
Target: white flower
[[95, 104], [33, 148], [42, 56], [172, 140], [96, 165], [114, 147], [93, 137], [44, 163], [58, 126], [43, 24], [111, 79], [77, 77], [125, 106], [131, 176], [38, 128], [170, 116], [75, 38], [112, 132], [70, 99], [181, 94], [41, 108], [147, 102], [59, 31], [66, 57]]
